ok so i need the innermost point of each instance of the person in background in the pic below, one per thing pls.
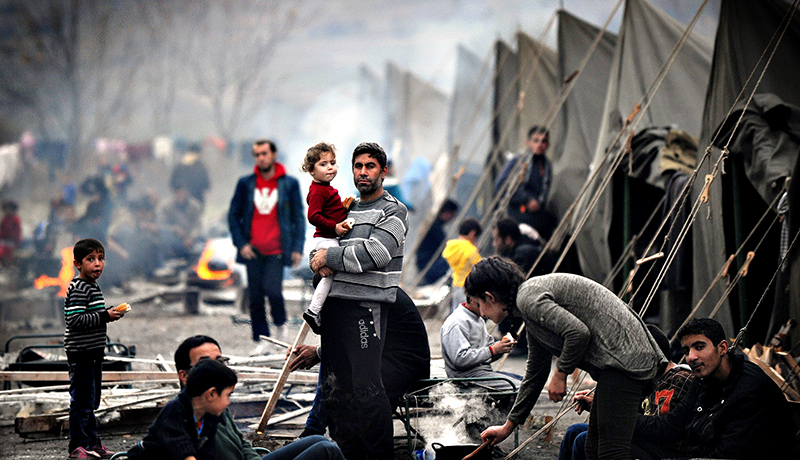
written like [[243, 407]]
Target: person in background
[[191, 174], [433, 239], [392, 185], [528, 203], [10, 232], [86, 318], [268, 228], [461, 254], [179, 224]]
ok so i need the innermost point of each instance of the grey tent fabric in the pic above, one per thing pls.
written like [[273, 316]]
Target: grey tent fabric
[[647, 38], [539, 81], [417, 117], [470, 115], [745, 29], [505, 132], [581, 113], [768, 137]]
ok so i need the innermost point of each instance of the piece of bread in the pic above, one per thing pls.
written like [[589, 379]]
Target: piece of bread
[[348, 223], [347, 202], [123, 308]]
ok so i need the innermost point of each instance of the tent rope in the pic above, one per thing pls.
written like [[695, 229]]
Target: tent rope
[[723, 272], [704, 197], [743, 330], [638, 111]]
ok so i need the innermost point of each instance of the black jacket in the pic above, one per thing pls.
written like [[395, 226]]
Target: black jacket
[[173, 435], [747, 417]]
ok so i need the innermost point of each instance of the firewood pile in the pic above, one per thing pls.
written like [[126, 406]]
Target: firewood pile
[[777, 363]]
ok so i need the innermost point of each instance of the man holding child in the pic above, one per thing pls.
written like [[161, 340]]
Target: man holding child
[[366, 273]]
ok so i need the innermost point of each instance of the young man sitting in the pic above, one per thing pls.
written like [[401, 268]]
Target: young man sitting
[[732, 410]]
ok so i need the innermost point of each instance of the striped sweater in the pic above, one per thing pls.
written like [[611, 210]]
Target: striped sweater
[[369, 257], [86, 317]]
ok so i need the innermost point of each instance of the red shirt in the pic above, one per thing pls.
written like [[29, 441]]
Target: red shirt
[[265, 230], [11, 229], [325, 209]]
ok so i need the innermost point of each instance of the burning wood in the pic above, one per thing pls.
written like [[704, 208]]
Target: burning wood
[[65, 275], [204, 271]]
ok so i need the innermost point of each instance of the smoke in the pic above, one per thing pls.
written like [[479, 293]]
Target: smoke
[[458, 415]]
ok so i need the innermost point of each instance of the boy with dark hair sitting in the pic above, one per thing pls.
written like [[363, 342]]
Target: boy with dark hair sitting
[[186, 427]]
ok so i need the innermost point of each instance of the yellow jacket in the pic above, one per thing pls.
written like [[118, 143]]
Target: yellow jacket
[[461, 254]]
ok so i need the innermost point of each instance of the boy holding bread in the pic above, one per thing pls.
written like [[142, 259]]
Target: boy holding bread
[[86, 317]]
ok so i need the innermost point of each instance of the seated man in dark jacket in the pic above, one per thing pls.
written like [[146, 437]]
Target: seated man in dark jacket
[[732, 410]]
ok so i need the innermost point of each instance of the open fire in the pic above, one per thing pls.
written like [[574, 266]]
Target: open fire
[[204, 271], [65, 275]]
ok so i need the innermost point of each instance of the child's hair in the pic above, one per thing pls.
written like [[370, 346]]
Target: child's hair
[[469, 225], [314, 153], [208, 373], [85, 247]]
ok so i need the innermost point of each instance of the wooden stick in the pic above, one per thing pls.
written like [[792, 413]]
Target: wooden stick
[[276, 392], [474, 452], [275, 341], [546, 427]]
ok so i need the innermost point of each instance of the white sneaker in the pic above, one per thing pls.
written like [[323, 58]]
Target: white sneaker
[[281, 332], [261, 349]]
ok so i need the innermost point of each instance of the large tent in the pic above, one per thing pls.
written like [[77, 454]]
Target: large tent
[[417, 117], [571, 151], [469, 122], [646, 40], [744, 33]]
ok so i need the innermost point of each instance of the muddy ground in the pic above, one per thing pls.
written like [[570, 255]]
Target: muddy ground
[[157, 327]]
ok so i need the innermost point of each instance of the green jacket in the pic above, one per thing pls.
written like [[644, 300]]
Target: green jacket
[[230, 442]]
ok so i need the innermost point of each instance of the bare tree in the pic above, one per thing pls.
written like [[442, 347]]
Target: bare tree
[[230, 51], [68, 68]]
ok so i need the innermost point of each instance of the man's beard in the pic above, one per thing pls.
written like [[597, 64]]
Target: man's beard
[[368, 189]]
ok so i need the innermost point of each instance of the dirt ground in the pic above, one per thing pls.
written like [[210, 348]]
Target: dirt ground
[[156, 328]]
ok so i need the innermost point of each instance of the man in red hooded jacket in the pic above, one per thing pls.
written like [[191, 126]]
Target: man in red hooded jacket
[[267, 224]]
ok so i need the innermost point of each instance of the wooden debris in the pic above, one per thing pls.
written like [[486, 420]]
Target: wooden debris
[[282, 379], [779, 366], [267, 375]]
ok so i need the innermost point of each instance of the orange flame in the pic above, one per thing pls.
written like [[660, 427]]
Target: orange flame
[[203, 272], [64, 276]]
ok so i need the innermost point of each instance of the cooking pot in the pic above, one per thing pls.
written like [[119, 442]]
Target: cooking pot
[[459, 451]]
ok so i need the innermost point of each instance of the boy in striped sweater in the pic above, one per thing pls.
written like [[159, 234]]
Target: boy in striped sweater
[[85, 342]]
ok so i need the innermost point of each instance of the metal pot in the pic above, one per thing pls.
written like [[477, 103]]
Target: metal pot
[[459, 451]]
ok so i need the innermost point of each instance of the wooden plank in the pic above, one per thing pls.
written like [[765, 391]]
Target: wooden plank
[[288, 416], [148, 376], [39, 425], [787, 390], [282, 379]]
